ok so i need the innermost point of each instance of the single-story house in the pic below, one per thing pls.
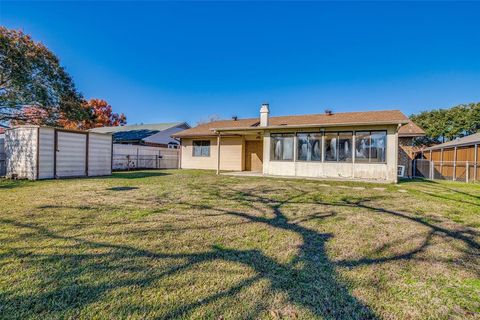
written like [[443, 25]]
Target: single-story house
[[156, 135], [353, 145]]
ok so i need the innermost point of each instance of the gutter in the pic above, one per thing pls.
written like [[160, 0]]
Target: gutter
[[215, 131]]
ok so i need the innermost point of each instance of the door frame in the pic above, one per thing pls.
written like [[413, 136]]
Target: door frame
[[246, 154]]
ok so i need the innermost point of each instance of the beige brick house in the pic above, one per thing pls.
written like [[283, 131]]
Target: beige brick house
[[354, 145]]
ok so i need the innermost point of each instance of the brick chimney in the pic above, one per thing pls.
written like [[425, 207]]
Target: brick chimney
[[264, 114]]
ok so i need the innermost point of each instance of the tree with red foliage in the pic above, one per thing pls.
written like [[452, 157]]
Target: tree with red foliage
[[100, 114]]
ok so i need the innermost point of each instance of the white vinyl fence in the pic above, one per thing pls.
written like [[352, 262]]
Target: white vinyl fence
[[466, 171], [130, 157]]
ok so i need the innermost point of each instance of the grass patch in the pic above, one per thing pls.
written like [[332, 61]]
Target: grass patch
[[192, 245]]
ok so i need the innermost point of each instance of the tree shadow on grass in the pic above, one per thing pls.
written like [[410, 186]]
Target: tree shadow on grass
[[136, 174], [309, 280], [6, 184], [436, 186], [125, 188]]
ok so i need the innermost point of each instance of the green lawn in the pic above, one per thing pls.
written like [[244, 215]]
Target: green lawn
[[190, 244]]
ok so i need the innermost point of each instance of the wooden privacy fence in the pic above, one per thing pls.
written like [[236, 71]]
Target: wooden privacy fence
[[446, 170], [130, 157], [454, 163]]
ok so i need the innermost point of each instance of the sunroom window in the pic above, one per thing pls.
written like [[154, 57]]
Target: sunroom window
[[309, 146], [371, 146], [282, 146], [338, 146]]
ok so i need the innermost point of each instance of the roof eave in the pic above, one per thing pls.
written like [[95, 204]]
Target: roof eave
[[453, 145], [316, 125]]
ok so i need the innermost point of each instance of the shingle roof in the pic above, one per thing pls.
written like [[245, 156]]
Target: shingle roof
[[340, 119], [465, 141], [411, 130], [133, 135], [138, 127], [207, 128]]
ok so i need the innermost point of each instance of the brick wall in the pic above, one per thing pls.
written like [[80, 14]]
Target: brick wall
[[406, 153]]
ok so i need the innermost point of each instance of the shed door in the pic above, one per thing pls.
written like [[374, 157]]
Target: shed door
[[71, 154]]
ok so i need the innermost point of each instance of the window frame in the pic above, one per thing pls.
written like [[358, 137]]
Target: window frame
[[337, 143], [370, 149], [284, 134], [321, 134], [370, 146], [201, 148]]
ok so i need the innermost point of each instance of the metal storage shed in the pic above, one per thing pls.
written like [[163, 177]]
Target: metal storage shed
[[35, 152]]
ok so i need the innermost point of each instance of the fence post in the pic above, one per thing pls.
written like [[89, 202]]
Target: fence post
[[137, 159], [431, 169], [467, 172], [159, 158], [441, 163], [475, 163], [454, 164], [414, 165]]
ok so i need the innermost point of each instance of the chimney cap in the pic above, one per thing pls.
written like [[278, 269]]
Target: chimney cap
[[265, 107]]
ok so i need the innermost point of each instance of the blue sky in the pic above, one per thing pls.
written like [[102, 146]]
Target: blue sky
[[159, 61]]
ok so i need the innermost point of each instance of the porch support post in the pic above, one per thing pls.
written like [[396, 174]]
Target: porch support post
[[354, 143], [218, 153]]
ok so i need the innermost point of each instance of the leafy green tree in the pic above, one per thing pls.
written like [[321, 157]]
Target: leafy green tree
[[442, 125], [31, 76]]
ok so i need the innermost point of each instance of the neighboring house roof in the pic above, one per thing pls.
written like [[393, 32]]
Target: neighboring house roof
[[411, 130], [312, 120], [142, 132], [460, 142], [134, 135]]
